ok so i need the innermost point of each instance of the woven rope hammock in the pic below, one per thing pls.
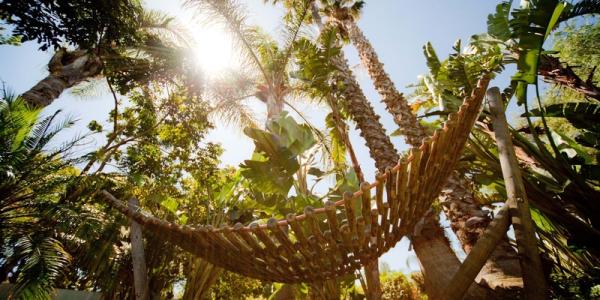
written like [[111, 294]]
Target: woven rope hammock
[[335, 240]]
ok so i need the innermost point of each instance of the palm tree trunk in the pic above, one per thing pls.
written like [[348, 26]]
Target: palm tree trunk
[[66, 70], [502, 271], [379, 144], [438, 261], [467, 218], [394, 101], [380, 147]]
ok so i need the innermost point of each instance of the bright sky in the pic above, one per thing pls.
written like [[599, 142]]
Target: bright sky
[[397, 30]]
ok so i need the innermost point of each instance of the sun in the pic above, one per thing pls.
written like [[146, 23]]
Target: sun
[[213, 50]]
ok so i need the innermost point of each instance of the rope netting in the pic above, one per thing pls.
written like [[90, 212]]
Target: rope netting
[[342, 236]]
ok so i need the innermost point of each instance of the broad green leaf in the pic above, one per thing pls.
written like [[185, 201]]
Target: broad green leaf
[[541, 221], [577, 155], [582, 115], [555, 17], [497, 23], [170, 204], [433, 62], [521, 92]]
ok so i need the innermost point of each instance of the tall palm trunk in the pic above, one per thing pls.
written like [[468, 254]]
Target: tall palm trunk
[[394, 101], [380, 147], [274, 107], [438, 261], [467, 218], [66, 70]]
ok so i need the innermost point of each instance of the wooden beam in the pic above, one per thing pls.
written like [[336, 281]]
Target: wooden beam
[[140, 274], [531, 265], [479, 254]]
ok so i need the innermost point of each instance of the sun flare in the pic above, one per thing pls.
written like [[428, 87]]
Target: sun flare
[[213, 51]]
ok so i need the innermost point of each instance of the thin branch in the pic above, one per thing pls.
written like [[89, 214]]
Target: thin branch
[[116, 115]]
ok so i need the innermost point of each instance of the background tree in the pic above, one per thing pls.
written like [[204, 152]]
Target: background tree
[[33, 175], [103, 34]]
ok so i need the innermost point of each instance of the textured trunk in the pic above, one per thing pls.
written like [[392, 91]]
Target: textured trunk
[[438, 261], [66, 70], [502, 271], [274, 107], [380, 147], [373, 283], [479, 255], [140, 274], [468, 220], [394, 101]]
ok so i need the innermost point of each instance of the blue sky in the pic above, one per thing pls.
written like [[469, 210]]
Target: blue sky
[[397, 29]]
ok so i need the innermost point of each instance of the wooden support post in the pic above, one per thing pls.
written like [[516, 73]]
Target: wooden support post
[[531, 265], [479, 254], [140, 275]]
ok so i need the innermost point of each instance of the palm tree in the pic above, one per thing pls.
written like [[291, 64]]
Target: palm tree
[[458, 201], [344, 12], [116, 39], [31, 179], [272, 85], [266, 64]]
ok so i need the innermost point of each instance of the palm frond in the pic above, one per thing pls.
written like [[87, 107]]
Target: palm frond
[[229, 96], [233, 15], [44, 259], [166, 27], [37, 139], [584, 7], [235, 112], [293, 27]]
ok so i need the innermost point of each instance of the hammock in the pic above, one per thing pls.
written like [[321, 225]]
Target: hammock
[[339, 238]]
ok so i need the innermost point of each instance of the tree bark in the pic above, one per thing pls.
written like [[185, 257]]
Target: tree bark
[[533, 274], [140, 274], [379, 144], [468, 220], [373, 283], [438, 262], [394, 101], [502, 271], [66, 70], [477, 258]]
